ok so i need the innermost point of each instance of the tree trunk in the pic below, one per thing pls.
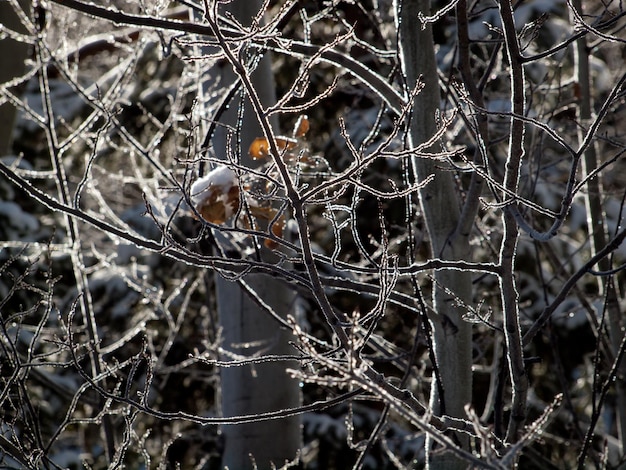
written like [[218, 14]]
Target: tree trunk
[[13, 55], [263, 387], [452, 290], [597, 226], [246, 328]]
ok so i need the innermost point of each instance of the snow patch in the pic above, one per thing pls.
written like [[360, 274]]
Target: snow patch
[[221, 177]]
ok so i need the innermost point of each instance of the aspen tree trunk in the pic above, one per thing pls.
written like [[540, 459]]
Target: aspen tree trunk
[[440, 207], [263, 387], [13, 55], [597, 226], [246, 328]]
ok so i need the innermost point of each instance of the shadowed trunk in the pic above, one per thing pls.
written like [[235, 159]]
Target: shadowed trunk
[[247, 330], [452, 290], [597, 225], [14, 54]]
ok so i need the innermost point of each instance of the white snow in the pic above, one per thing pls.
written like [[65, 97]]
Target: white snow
[[16, 221], [221, 177]]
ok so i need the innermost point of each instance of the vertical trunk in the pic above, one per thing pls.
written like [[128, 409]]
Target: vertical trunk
[[440, 206], [596, 223], [508, 287], [13, 55], [263, 387], [246, 328]]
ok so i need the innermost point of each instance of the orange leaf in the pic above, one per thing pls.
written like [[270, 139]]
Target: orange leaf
[[277, 229], [301, 127], [260, 148], [217, 207], [285, 143]]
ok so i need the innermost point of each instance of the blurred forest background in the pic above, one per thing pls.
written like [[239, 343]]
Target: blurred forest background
[[112, 339]]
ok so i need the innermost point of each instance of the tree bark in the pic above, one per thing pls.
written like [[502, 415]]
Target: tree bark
[[597, 225], [452, 290], [246, 329], [508, 286], [262, 387], [14, 54]]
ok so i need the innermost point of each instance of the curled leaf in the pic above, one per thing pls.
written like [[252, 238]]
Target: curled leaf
[[218, 207], [302, 126], [260, 148], [216, 195], [277, 229]]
